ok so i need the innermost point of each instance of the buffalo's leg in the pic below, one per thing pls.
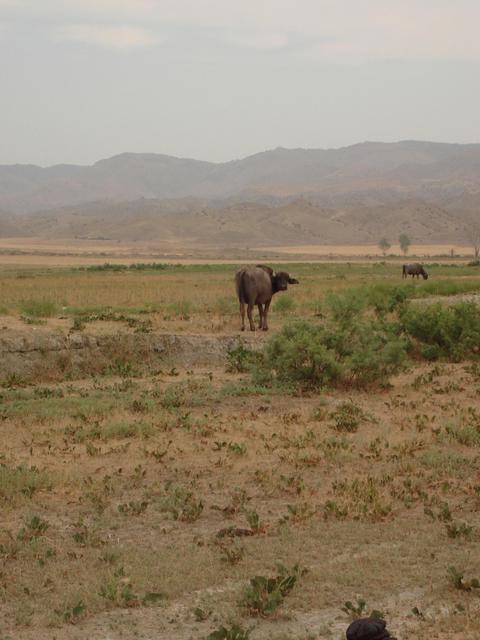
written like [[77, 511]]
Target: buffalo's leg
[[265, 314], [250, 317], [260, 316], [242, 315]]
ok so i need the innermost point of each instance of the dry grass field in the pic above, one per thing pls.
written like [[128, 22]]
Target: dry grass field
[[195, 298], [140, 503]]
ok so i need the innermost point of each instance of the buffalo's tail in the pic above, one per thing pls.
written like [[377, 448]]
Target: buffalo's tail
[[240, 287]]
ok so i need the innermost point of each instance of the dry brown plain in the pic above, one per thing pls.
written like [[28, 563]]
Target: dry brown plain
[[114, 487]]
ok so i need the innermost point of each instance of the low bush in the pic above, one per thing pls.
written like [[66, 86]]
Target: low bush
[[443, 332], [285, 304], [356, 354], [241, 359], [264, 595], [38, 308]]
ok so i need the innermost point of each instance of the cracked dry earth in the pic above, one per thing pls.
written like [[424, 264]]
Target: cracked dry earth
[[113, 492]]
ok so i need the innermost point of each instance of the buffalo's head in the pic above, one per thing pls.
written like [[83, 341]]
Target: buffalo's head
[[424, 274], [281, 280]]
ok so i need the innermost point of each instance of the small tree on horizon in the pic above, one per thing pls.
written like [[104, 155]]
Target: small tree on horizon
[[384, 246], [475, 241], [404, 242]]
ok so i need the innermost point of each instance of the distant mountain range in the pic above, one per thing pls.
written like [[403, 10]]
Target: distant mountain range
[[357, 193]]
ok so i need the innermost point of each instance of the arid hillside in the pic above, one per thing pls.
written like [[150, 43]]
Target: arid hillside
[[245, 224], [357, 194], [369, 173]]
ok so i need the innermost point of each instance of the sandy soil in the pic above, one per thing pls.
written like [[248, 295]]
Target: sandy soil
[[41, 252]]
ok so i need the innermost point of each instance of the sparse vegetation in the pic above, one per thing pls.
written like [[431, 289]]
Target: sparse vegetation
[[159, 484], [264, 595]]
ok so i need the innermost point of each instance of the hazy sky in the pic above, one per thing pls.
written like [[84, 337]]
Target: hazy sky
[[220, 79]]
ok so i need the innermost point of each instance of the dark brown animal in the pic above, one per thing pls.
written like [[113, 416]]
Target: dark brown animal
[[368, 629], [256, 286], [414, 269]]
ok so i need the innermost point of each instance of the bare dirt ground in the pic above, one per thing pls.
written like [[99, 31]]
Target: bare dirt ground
[[115, 490], [62, 253], [370, 250]]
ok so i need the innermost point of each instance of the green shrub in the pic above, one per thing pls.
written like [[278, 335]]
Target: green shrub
[[264, 595], [38, 308], [356, 354], [444, 332], [299, 355], [346, 306], [240, 359], [347, 417], [285, 304]]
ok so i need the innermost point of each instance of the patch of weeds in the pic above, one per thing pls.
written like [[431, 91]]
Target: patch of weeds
[[468, 434], [442, 514], [133, 508], [118, 592], [22, 480], [298, 513], [85, 536], [122, 368], [39, 308], [253, 519], [425, 378], [292, 484], [181, 503], [71, 613], [237, 448], [241, 359], [285, 304], [142, 406], [34, 528], [457, 580], [186, 394], [181, 310], [264, 595], [231, 553], [361, 499], [458, 530], [238, 502], [200, 614], [78, 324], [121, 430], [358, 609], [347, 417], [48, 392], [235, 632], [12, 380], [473, 370]]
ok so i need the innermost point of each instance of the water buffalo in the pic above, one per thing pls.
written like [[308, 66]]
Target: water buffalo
[[256, 286], [414, 269]]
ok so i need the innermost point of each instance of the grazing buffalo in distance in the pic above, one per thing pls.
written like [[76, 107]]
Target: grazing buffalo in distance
[[256, 286], [414, 269]]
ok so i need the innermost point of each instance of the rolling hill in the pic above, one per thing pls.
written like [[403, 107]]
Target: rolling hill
[[356, 194]]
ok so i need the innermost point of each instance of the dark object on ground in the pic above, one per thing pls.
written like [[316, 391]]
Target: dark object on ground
[[256, 286], [368, 629]]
